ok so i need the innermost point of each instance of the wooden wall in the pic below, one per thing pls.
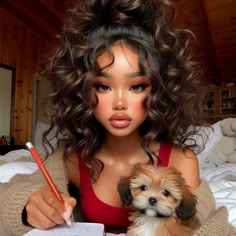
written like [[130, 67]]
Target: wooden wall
[[212, 21], [21, 48]]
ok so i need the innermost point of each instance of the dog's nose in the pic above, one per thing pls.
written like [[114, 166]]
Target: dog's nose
[[152, 201]]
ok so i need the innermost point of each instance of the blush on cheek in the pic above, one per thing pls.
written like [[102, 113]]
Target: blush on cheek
[[102, 105], [139, 105], [99, 108]]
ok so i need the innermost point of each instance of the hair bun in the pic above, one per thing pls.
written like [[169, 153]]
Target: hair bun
[[143, 13], [89, 15]]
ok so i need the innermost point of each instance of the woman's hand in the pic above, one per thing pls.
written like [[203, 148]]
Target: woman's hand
[[44, 210]]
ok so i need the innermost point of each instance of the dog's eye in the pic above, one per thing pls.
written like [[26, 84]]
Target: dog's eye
[[143, 188], [166, 193]]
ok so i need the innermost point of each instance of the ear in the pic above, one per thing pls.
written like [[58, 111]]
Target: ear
[[187, 206], [124, 190]]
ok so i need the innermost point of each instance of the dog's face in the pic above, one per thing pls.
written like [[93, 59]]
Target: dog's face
[[159, 192]]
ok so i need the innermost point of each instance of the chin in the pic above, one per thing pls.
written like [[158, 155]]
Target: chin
[[162, 204]]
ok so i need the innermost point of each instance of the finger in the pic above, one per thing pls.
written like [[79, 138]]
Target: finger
[[46, 207], [46, 211], [65, 210], [69, 204], [52, 201], [71, 201], [37, 219], [67, 213], [49, 206]]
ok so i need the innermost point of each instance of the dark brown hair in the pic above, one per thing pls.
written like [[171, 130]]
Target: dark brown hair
[[91, 27]]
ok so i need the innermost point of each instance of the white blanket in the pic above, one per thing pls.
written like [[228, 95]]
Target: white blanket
[[12, 166], [222, 180]]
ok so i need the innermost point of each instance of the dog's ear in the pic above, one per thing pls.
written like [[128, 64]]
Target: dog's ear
[[124, 190], [187, 206]]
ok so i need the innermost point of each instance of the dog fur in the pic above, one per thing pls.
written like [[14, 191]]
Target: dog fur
[[162, 203]]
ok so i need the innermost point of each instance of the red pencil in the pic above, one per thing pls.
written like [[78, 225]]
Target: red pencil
[[46, 175]]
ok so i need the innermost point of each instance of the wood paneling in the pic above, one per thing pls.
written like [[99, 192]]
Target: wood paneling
[[212, 21], [1, 33], [21, 48], [44, 16], [26, 26]]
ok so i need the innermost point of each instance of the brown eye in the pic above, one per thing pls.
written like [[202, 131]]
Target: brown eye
[[143, 188], [166, 193], [102, 88], [138, 87]]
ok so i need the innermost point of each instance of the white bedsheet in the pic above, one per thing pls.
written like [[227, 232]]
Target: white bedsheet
[[222, 180]]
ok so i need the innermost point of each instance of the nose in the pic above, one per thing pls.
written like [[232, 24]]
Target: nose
[[152, 201], [119, 100]]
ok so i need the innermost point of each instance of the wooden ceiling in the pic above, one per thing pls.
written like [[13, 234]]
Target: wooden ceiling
[[43, 16], [212, 21], [221, 15]]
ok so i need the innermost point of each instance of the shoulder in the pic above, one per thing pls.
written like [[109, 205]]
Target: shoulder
[[185, 161]]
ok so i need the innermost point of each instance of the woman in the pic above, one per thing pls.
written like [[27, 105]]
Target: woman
[[124, 91]]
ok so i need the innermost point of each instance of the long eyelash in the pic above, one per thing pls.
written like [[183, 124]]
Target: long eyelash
[[140, 85], [97, 84]]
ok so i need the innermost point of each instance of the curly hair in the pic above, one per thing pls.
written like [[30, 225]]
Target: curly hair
[[90, 28]]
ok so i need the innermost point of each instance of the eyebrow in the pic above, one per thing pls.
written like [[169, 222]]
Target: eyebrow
[[128, 76]]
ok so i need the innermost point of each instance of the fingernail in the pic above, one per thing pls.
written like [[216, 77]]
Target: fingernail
[[67, 213]]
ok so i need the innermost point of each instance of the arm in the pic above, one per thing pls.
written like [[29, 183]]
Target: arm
[[15, 194], [187, 163]]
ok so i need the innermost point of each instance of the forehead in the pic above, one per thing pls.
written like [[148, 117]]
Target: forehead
[[120, 53]]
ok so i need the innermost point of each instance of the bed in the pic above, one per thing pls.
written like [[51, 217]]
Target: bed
[[220, 175]]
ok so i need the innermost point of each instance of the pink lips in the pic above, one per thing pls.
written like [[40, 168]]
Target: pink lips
[[120, 120]]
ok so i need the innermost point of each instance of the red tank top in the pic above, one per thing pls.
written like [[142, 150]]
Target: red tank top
[[115, 219]]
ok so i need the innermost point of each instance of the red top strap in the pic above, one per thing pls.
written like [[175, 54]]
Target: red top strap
[[164, 153]]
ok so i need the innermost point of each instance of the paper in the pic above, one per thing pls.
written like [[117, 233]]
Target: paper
[[77, 229]]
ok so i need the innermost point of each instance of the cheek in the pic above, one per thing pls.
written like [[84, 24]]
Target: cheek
[[138, 105], [102, 104]]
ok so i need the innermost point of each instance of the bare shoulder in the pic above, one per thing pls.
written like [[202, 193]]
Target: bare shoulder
[[185, 160]]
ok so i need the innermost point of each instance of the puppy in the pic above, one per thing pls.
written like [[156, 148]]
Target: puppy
[[162, 202]]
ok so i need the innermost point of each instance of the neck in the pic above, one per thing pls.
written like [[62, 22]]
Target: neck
[[122, 146]]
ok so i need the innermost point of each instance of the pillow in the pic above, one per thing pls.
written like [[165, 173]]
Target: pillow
[[208, 136], [214, 137], [15, 155]]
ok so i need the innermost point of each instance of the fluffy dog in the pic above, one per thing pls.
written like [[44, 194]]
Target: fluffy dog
[[162, 202]]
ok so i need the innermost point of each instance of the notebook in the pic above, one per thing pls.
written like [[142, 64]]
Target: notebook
[[77, 229]]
